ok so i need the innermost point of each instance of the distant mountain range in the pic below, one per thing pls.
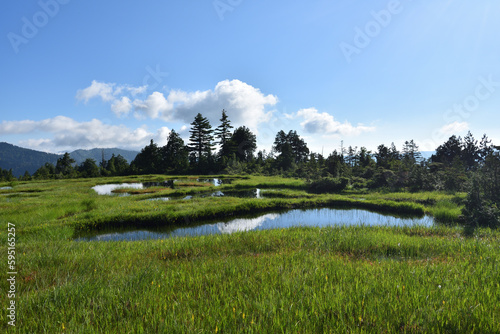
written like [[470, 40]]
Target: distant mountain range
[[96, 154], [22, 159]]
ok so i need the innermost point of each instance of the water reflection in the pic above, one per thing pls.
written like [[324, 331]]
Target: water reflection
[[107, 189], [255, 193], [215, 181], [311, 217], [165, 199], [243, 225]]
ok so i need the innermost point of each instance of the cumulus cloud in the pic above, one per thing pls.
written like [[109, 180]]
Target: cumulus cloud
[[8, 127], [131, 90], [244, 103], [26, 126], [324, 123], [117, 95], [122, 106], [67, 134], [154, 106], [453, 128], [97, 89]]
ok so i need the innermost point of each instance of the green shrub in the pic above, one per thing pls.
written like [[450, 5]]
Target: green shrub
[[480, 211], [328, 185]]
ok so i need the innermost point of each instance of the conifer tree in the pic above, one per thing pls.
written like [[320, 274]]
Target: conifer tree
[[200, 142], [223, 134], [223, 131], [175, 154]]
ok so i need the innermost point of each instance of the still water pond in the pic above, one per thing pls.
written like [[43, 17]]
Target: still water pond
[[310, 217], [107, 189], [252, 193]]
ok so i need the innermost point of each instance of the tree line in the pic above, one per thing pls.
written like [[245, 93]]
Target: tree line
[[459, 164], [232, 151]]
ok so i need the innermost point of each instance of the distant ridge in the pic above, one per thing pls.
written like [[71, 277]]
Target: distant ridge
[[23, 159], [96, 154]]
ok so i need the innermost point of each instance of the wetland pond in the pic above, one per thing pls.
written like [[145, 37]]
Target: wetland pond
[[252, 193], [293, 218], [107, 189]]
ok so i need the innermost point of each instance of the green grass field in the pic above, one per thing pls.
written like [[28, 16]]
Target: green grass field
[[299, 280]]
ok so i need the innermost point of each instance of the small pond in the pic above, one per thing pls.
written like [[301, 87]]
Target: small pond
[[5, 188], [252, 193], [255, 193], [310, 217], [216, 182], [107, 189]]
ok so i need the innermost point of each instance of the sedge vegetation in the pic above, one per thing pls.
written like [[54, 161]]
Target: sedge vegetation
[[336, 279]]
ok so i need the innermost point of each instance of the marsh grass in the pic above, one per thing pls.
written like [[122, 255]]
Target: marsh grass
[[193, 184], [286, 193], [132, 191], [335, 279], [359, 279], [446, 211]]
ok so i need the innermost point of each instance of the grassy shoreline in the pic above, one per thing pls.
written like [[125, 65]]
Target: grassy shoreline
[[230, 209]]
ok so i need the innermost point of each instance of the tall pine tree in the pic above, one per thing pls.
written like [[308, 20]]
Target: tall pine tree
[[200, 142], [223, 134]]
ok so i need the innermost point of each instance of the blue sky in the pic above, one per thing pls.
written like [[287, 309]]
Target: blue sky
[[84, 74]]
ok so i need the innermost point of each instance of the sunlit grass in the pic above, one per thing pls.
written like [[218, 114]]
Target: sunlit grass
[[446, 211], [311, 279], [337, 279]]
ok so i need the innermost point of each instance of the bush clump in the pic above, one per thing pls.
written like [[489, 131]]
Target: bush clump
[[480, 210], [328, 185]]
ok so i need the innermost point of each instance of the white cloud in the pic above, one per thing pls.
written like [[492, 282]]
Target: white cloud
[[161, 136], [154, 106], [132, 90], [9, 127], [324, 123], [245, 104], [454, 128], [65, 133], [118, 96], [38, 144], [122, 106], [97, 89], [26, 126]]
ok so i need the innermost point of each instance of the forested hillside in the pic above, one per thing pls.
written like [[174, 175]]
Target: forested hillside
[[21, 159]]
